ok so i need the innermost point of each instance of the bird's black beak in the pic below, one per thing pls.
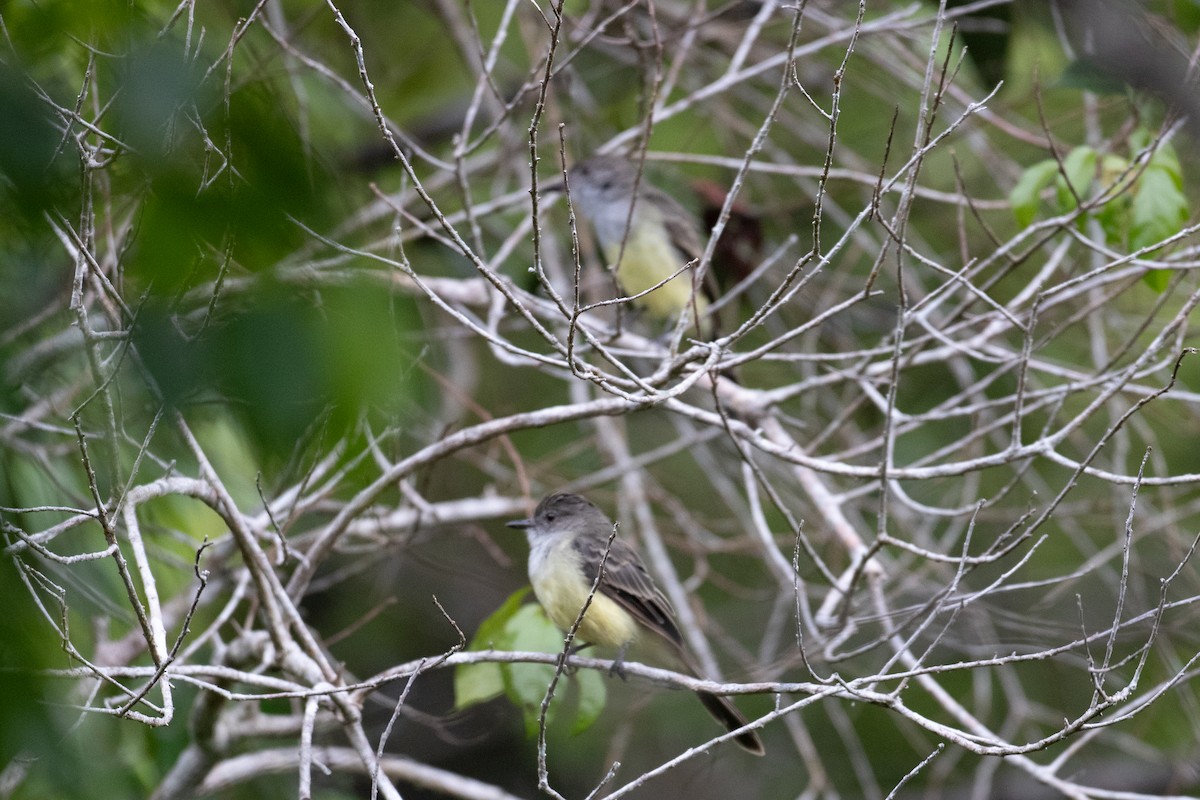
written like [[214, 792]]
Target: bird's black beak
[[519, 524]]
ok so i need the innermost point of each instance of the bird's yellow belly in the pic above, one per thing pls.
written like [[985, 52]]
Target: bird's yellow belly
[[648, 259], [561, 590]]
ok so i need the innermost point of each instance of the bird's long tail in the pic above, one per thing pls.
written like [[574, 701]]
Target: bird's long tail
[[726, 713]]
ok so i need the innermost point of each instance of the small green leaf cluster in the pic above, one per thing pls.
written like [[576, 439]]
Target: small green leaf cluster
[[1137, 201], [523, 627]]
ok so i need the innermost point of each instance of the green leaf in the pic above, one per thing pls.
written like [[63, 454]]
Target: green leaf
[[1113, 214], [1160, 209], [1080, 169], [478, 683], [593, 695], [1024, 197], [525, 627], [1166, 159], [525, 684], [1157, 279], [1114, 170], [493, 631], [1140, 139]]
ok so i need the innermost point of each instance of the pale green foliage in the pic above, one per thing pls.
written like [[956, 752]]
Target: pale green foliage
[[1136, 206], [520, 626]]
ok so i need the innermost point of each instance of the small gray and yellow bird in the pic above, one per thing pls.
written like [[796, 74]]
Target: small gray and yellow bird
[[567, 539], [648, 246]]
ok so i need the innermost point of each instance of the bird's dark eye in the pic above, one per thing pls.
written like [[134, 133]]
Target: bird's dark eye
[[550, 516]]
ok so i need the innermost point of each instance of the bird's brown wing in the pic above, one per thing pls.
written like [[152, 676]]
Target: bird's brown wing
[[684, 235], [627, 583], [680, 222]]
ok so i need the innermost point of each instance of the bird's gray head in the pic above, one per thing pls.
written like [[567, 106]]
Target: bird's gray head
[[562, 513], [602, 187]]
